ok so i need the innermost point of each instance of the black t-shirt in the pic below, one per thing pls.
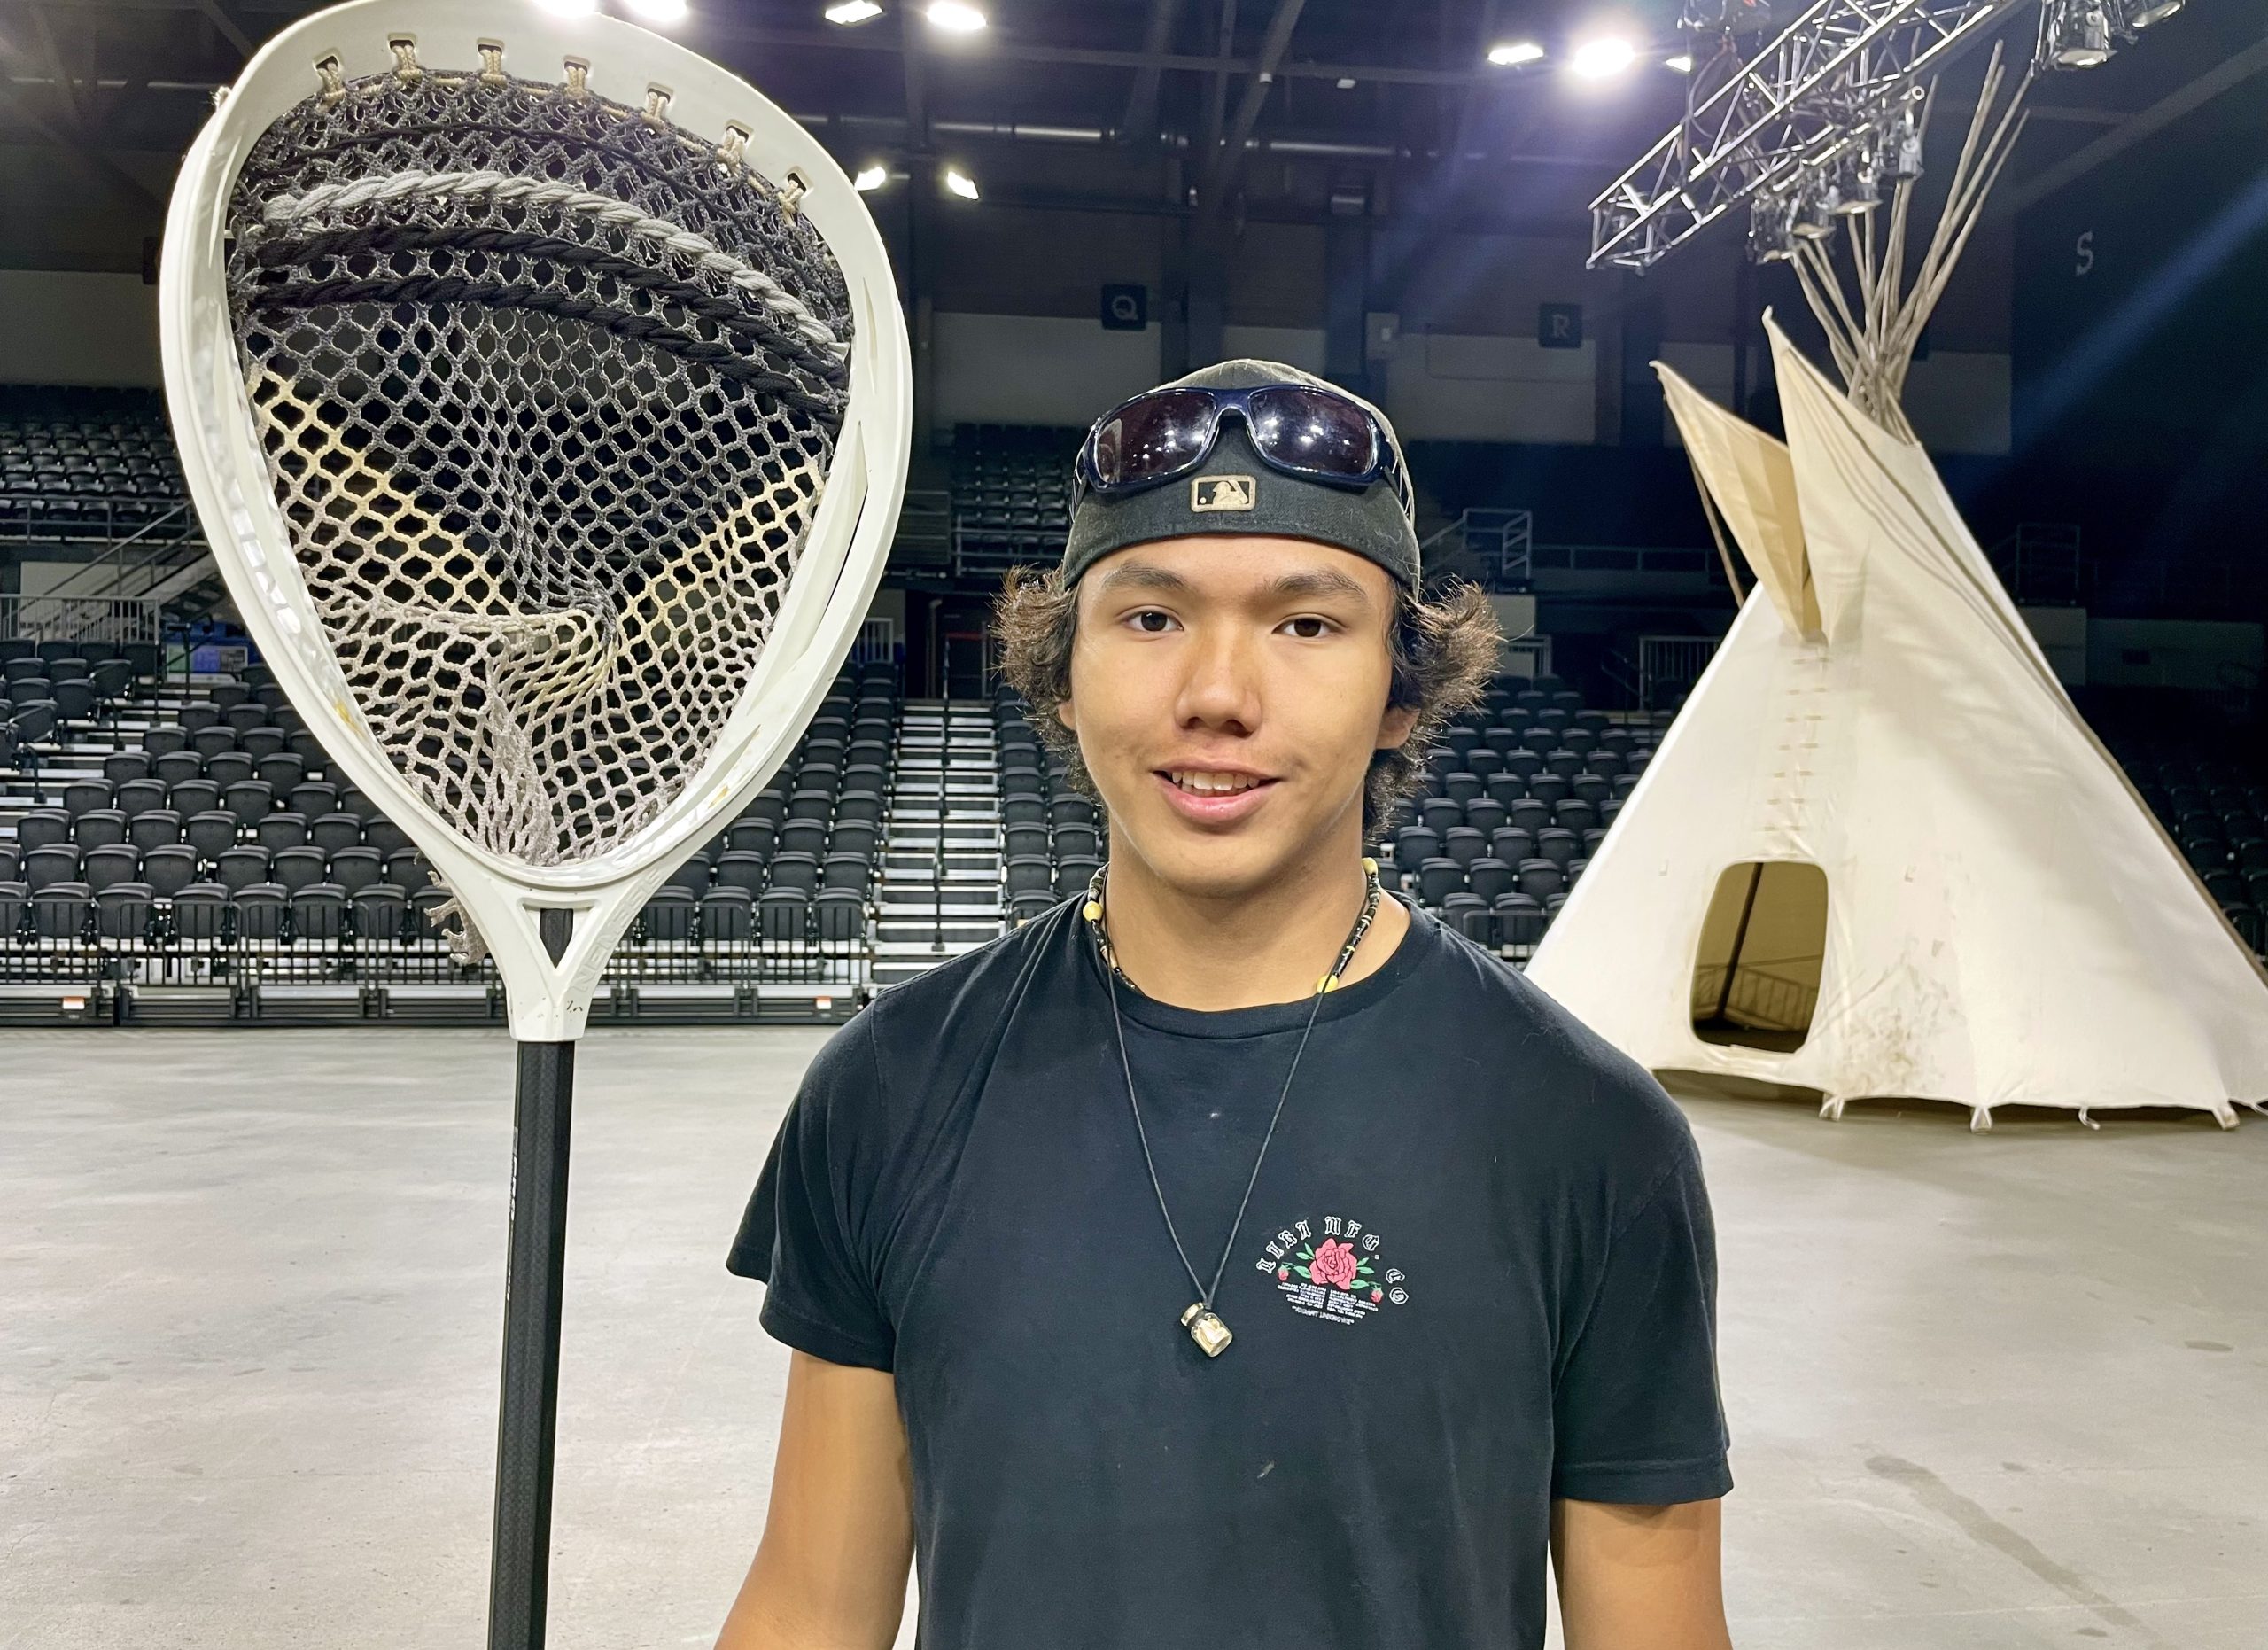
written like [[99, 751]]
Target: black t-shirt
[[1477, 1273]]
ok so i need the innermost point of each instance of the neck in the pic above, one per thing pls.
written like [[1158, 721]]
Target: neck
[[1241, 950]]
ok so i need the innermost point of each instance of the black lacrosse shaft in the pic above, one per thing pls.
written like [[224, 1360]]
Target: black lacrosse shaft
[[536, 1266]]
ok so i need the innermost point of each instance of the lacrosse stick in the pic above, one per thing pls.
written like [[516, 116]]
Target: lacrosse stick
[[544, 394]]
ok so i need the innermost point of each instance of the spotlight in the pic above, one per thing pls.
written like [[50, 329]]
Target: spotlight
[[871, 178], [955, 16], [849, 12], [568, 8], [1771, 228], [2149, 11], [1858, 183], [1515, 51], [1816, 211], [1900, 158], [1682, 63], [1345, 82], [656, 10], [1597, 59], [959, 182], [2075, 35]]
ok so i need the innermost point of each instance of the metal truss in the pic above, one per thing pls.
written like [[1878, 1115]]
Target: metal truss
[[1830, 78]]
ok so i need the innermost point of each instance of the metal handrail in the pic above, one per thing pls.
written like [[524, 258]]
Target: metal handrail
[[114, 553]]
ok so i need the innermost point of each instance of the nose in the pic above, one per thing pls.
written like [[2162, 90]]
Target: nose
[[1220, 685]]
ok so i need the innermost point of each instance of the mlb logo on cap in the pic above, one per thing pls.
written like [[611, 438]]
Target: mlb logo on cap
[[1212, 492]]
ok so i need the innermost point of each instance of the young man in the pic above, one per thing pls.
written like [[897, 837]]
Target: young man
[[1153, 1297]]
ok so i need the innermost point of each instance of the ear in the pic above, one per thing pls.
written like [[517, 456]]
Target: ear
[[1396, 726], [1063, 715]]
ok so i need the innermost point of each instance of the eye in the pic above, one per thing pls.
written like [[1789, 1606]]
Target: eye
[[1150, 613], [1324, 626]]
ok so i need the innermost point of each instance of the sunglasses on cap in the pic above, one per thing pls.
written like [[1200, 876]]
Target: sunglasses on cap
[[1304, 430]]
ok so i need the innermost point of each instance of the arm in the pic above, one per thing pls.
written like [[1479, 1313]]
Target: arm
[[830, 1571], [1639, 1578]]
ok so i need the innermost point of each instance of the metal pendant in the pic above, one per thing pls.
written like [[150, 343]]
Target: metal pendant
[[1207, 1330]]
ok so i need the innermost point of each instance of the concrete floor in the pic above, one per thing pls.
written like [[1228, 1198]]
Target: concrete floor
[[1994, 1391]]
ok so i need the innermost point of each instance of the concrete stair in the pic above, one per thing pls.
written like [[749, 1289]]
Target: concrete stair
[[939, 894]]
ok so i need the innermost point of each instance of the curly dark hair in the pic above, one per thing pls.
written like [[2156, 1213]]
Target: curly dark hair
[[1444, 642]]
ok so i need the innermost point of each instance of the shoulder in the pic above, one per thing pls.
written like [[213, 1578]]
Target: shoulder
[[973, 991], [1572, 1093]]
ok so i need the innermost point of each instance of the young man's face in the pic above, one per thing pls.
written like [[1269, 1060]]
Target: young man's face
[[1218, 655]]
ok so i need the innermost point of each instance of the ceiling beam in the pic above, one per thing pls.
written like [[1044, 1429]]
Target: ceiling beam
[[74, 113], [1230, 161], [230, 29], [1141, 116], [996, 47], [2222, 76]]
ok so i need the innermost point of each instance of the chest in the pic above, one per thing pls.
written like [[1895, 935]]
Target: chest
[[1388, 1268]]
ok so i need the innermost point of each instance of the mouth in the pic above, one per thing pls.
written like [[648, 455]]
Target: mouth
[[1208, 798]]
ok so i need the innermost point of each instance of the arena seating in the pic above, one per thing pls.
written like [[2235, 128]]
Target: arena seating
[[1011, 490], [1517, 795], [1051, 838], [212, 830], [88, 450]]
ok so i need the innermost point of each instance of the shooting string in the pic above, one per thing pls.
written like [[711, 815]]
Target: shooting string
[[548, 389]]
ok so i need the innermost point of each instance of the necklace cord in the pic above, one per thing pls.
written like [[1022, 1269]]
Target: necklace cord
[[1112, 975]]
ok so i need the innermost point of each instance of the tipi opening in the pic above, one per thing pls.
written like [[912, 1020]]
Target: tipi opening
[[1756, 970]]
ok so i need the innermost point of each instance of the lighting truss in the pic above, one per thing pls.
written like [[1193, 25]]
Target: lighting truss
[[1826, 84]]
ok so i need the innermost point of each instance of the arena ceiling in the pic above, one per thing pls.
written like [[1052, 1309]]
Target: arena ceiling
[[1382, 108]]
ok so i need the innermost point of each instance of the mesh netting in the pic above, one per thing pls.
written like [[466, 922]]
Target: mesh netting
[[547, 390]]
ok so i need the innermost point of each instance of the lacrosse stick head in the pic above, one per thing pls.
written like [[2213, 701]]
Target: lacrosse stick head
[[545, 396]]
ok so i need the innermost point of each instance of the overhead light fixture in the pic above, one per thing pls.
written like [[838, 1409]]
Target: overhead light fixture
[[656, 10], [1513, 52], [1771, 228], [2077, 34], [1610, 54], [849, 12], [2149, 11], [1901, 153], [1345, 82], [959, 182], [1816, 214], [1682, 63], [871, 178], [955, 16]]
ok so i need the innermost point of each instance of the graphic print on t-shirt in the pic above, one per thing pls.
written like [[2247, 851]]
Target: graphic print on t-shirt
[[1338, 1276]]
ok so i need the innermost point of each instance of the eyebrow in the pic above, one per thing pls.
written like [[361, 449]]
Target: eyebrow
[[1315, 581]]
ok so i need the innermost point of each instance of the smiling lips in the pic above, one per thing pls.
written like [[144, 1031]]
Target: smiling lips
[[1211, 796]]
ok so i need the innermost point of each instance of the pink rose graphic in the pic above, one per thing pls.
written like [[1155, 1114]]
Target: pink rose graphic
[[1377, 1295], [1334, 1264], [1283, 1275]]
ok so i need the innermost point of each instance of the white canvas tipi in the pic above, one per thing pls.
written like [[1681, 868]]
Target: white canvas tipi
[[1879, 853]]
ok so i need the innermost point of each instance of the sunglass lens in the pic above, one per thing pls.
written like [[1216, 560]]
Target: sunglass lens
[[1313, 432], [1149, 439]]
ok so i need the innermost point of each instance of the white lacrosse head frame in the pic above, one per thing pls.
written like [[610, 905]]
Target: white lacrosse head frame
[[827, 595]]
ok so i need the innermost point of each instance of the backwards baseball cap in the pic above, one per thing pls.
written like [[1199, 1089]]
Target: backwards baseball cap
[[1234, 491]]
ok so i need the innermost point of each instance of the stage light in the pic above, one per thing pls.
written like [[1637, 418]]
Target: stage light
[[871, 178], [849, 12], [1682, 63], [2078, 35], [959, 182], [1595, 60], [656, 10], [568, 8], [1771, 228], [1816, 211], [1345, 82], [2149, 11], [955, 16], [1515, 51]]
